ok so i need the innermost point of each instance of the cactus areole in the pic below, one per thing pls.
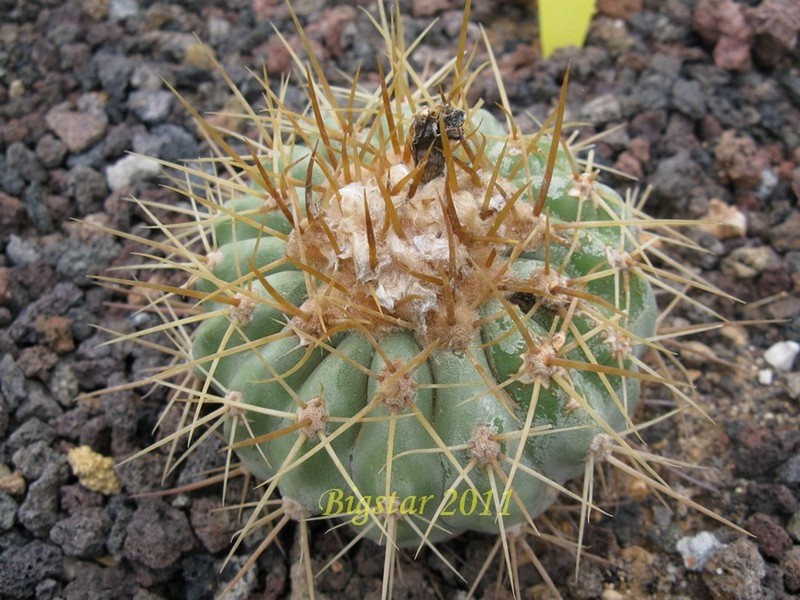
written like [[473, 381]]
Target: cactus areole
[[421, 322]]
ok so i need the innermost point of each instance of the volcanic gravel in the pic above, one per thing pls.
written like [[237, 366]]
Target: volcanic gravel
[[704, 96]]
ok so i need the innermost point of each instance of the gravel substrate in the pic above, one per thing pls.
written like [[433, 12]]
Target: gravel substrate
[[706, 95]]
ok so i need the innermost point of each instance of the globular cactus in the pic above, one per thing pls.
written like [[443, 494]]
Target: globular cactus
[[411, 318], [426, 327]]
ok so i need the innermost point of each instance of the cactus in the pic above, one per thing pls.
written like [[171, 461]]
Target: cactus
[[406, 315]]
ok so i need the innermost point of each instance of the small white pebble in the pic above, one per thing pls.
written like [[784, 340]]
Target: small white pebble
[[782, 355], [765, 377], [696, 550], [611, 594]]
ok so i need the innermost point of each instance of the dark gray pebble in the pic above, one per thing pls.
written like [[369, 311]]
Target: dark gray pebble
[[39, 512], [82, 534], [167, 141], [38, 403], [75, 498], [23, 160], [201, 575], [101, 583], [789, 472], [12, 382], [122, 516], [688, 98], [32, 430], [22, 568], [31, 460], [51, 151], [8, 511], [88, 188], [773, 540], [157, 535], [81, 258]]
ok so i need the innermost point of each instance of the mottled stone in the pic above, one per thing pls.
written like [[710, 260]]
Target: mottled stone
[[157, 536], [77, 130], [82, 534], [22, 568], [735, 572]]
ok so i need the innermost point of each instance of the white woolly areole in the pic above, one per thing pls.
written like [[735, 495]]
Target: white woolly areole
[[584, 186], [214, 259], [242, 313], [537, 362], [619, 343], [316, 415], [619, 259], [294, 510], [483, 447], [600, 447], [549, 281], [233, 400]]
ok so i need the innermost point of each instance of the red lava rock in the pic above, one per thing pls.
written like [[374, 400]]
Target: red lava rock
[[649, 125], [735, 572], [266, 10], [775, 25], [75, 498], [738, 160], [773, 541], [733, 54], [83, 534], [785, 308], [77, 130], [56, 333], [157, 536], [276, 56], [212, 523], [428, 8], [628, 163], [791, 570], [5, 280], [758, 450], [619, 9], [11, 213], [518, 66], [36, 361], [775, 281], [639, 147], [706, 20], [330, 25], [722, 22], [795, 182], [91, 580], [784, 237]]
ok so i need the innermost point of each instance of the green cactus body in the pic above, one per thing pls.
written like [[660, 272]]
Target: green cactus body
[[501, 347]]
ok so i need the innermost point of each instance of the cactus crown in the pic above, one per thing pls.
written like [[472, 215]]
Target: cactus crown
[[392, 296]]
